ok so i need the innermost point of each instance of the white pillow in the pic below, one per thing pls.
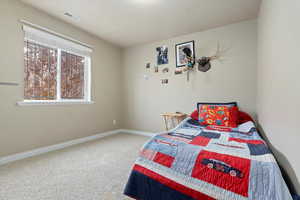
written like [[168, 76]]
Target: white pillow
[[246, 127]]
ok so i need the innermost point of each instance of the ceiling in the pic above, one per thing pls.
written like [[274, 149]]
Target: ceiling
[[131, 22]]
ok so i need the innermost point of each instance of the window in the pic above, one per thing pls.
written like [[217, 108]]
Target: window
[[56, 70], [72, 76], [40, 72]]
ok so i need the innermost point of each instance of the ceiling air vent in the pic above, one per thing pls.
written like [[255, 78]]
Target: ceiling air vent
[[71, 16], [68, 14]]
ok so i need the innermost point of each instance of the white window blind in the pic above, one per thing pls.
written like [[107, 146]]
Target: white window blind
[[51, 40]]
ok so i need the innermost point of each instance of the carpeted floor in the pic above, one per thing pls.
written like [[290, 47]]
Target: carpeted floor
[[95, 170]]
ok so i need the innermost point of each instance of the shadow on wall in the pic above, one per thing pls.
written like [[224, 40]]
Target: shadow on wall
[[287, 171]]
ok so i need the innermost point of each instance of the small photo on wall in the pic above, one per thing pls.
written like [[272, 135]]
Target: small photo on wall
[[184, 51], [148, 65], [164, 81], [162, 55]]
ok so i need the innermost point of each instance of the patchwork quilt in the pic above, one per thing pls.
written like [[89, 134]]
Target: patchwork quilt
[[192, 162]]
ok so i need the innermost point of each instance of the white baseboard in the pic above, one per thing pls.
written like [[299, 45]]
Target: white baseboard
[[42, 150], [35, 152], [144, 133]]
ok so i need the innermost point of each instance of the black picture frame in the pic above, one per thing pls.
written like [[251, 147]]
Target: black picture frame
[[191, 45]]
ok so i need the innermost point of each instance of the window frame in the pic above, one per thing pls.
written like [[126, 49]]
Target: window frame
[[59, 101]]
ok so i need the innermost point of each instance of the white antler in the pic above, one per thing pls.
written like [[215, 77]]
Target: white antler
[[219, 53]]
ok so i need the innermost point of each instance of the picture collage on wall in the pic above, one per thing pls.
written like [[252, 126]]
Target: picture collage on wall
[[185, 58]]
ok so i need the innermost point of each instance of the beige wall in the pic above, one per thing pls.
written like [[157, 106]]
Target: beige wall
[[234, 79], [25, 128], [278, 81]]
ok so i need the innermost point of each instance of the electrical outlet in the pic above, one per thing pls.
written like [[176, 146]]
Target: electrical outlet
[[114, 122]]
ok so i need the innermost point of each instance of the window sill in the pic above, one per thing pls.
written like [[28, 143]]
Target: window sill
[[46, 103]]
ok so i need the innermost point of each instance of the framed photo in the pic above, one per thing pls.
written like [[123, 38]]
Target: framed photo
[[162, 55], [183, 51]]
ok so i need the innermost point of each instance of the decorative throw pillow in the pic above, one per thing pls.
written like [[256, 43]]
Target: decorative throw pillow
[[218, 115], [229, 104]]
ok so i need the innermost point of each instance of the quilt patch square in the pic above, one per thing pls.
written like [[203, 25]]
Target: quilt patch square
[[176, 138], [258, 149], [225, 171], [246, 141], [163, 159], [184, 163], [148, 153], [200, 141], [210, 135], [163, 145]]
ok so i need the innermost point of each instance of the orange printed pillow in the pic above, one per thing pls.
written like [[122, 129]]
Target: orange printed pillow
[[218, 115]]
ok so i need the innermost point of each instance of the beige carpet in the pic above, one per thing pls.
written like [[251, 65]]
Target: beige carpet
[[96, 170]]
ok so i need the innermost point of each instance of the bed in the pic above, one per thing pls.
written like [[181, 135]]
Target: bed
[[194, 162]]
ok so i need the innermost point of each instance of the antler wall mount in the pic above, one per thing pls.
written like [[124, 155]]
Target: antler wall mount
[[204, 63]]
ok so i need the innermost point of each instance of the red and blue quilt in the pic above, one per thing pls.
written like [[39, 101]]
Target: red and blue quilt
[[192, 162]]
